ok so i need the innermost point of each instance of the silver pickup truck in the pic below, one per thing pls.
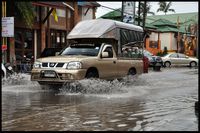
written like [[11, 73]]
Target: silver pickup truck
[[91, 55]]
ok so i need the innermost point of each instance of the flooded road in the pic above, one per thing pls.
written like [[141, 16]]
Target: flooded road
[[150, 102]]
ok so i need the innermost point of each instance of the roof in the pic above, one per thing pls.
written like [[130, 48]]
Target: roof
[[167, 29], [150, 26], [50, 4], [183, 17], [99, 28], [113, 14], [163, 22], [84, 3]]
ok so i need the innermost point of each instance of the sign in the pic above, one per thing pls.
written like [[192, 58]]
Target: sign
[[3, 47], [128, 12], [7, 26]]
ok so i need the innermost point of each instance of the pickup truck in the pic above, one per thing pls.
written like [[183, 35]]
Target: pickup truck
[[79, 61], [94, 51]]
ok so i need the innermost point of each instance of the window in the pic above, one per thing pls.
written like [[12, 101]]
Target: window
[[182, 56], [110, 52], [60, 12], [173, 56], [153, 44]]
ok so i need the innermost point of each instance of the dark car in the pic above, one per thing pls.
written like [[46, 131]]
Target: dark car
[[153, 60], [50, 52]]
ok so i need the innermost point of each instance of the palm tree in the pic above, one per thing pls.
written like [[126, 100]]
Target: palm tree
[[165, 7], [148, 8], [26, 12], [144, 10]]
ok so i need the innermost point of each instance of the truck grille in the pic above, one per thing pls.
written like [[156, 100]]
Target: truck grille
[[52, 64]]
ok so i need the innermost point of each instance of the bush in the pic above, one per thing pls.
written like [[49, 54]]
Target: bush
[[159, 54]]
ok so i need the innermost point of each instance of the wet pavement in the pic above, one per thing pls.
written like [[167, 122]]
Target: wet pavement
[[156, 101]]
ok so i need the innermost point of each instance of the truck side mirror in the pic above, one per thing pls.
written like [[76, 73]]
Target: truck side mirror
[[104, 55]]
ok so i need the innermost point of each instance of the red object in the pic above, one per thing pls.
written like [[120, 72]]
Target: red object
[[145, 64], [4, 47]]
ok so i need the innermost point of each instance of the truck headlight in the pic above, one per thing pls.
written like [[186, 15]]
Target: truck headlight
[[37, 64], [74, 65]]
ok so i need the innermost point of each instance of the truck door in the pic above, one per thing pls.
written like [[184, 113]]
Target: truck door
[[108, 64]]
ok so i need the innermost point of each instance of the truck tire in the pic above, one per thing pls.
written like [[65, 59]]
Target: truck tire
[[92, 73], [132, 71]]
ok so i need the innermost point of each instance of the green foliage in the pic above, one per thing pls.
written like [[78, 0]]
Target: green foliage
[[159, 54], [164, 51], [27, 13], [165, 7]]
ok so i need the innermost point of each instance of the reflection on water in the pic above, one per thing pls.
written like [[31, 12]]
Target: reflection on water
[[143, 103]]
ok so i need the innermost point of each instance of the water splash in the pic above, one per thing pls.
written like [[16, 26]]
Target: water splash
[[16, 79], [128, 86], [93, 86]]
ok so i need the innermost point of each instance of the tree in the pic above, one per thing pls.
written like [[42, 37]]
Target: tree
[[148, 8], [144, 10], [165, 7], [26, 12]]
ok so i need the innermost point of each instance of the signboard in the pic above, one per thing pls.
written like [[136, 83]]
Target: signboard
[[7, 26], [128, 12], [3, 47]]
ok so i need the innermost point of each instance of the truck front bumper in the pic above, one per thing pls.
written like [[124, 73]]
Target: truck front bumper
[[46, 76]]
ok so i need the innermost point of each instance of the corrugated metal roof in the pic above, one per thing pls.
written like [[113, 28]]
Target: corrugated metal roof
[[163, 22], [185, 20], [84, 3], [150, 26], [113, 14], [167, 29], [183, 17]]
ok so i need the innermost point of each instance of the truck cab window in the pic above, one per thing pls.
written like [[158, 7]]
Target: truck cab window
[[110, 52]]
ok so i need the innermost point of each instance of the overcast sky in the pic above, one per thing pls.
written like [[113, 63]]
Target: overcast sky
[[179, 7]]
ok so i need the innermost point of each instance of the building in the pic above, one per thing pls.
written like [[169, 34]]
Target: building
[[50, 29], [176, 32]]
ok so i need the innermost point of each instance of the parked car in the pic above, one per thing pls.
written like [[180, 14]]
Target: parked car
[[153, 60], [179, 59]]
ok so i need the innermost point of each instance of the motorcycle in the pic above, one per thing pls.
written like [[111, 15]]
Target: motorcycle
[[9, 69]]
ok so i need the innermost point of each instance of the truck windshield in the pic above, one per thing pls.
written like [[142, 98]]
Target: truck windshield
[[82, 49]]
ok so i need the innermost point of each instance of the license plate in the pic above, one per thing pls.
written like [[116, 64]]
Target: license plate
[[49, 74]]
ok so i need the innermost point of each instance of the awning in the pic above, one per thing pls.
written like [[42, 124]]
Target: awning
[[60, 5], [91, 4]]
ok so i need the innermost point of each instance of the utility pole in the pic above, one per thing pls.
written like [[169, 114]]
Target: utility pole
[[139, 13], [178, 37], [4, 39], [122, 12], [144, 14]]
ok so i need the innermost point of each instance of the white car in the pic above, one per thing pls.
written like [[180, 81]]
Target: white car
[[3, 71], [179, 59]]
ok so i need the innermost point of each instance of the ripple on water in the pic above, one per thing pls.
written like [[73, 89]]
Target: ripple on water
[[91, 122]]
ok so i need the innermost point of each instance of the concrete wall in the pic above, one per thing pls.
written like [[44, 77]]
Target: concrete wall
[[153, 36]]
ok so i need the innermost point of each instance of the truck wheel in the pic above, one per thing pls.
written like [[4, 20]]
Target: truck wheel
[[132, 71], [92, 74]]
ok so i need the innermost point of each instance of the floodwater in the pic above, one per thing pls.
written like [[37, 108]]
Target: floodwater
[[156, 101]]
